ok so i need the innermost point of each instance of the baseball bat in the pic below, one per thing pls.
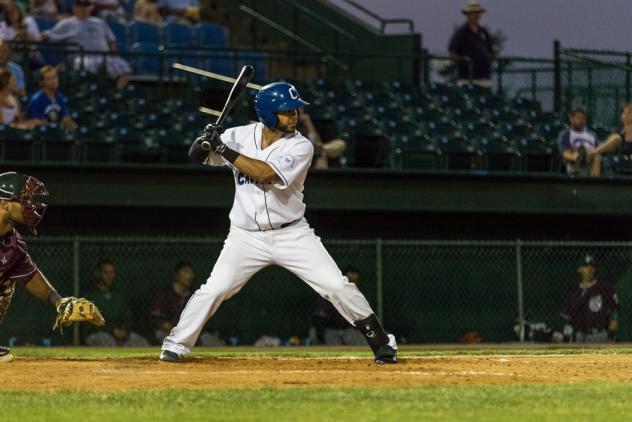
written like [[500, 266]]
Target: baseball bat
[[238, 87]]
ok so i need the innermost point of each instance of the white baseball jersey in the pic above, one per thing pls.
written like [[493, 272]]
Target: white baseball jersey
[[264, 206], [260, 236]]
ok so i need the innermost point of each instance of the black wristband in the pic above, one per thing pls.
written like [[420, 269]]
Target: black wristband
[[53, 297], [230, 155]]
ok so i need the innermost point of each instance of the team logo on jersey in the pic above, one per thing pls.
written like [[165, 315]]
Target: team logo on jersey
[[288, 161], [595, 304]]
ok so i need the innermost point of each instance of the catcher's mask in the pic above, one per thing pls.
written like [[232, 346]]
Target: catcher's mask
[[24, 189]]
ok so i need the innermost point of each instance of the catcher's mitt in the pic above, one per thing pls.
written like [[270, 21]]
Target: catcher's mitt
[[72, 309]]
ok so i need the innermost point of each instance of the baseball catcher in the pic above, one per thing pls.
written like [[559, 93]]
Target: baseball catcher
[[19, 205]]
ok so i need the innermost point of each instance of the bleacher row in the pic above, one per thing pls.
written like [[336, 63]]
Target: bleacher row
[[388, 124], [202, 45]]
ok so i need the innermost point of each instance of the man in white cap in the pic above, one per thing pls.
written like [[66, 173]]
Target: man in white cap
[[474, 42]]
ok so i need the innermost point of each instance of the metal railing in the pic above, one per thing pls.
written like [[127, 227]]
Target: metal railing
[[424, 291]]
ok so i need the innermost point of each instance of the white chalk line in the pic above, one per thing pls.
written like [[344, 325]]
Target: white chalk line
[[324, 371]]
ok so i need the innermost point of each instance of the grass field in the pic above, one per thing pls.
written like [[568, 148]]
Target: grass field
[[428, 384]]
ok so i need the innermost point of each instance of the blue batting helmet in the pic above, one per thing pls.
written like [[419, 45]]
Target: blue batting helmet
[[278, 96]]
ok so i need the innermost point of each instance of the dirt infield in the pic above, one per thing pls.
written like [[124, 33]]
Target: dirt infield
[[44, 374]]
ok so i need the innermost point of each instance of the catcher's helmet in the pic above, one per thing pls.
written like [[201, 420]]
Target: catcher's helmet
[[278, 96], [22, 188]]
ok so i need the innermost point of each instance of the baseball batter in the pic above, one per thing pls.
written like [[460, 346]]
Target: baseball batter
[[19, 205], [269, 161]]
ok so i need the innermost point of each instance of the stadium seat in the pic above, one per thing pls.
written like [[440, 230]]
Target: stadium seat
[[56, 146], [17, 144], [44, 24], [499, 154], [217, 61], [441, 128], [516, 130], [258, 60], [415, 152], [177, 35], [120, 32], [147, 64], [538, 155], [482, 128], [143, 32], [210, 35], [459, 153]]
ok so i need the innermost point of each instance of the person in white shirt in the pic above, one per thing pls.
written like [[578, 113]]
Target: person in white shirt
[[576, 144], [269, 161]]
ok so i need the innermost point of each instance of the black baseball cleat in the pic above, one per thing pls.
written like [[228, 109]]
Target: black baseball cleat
[[387, 353], [170, 357], [5, 355]]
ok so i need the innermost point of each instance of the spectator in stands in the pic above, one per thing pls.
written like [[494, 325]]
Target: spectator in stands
[[10, 113], [147, 11], [48, 103], [48, 9], [168, 302], [328, 326], [185, 11], [326, 154], [619, 142], [474, 42], [93, 34], [576, 144], [14, 68], [16, 27], [591, 308], [115, 310]]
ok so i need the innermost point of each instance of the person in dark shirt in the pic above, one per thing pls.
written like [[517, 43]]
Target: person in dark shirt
[[48, 103], [168, 302], [328, 326], [115, 310], [474, 42], [19, 205], [576, 142], [591, 307]]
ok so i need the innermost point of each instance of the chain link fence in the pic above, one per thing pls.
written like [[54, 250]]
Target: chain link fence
[[424, 291]]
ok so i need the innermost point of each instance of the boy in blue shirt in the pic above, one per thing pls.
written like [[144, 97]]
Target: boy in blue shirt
[[48, 103]]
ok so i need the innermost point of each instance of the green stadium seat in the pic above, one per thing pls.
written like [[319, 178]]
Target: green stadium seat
[[538, 155], [18, 144], [477, 129], [427, 114], [503, 115], [56, 145], [499, 154], [402, 127], [415, 152], [516, 130], [459, 153], [441, 128], [462, 115], [525, 104]]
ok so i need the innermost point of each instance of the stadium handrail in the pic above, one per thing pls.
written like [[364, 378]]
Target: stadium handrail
[[276, 26], [383, 23]]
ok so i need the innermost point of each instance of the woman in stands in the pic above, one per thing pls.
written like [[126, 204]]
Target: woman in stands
[[10, 113], [15, 27], [619, 142]]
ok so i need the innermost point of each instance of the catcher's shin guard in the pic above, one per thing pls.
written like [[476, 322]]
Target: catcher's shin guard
[[5, 355], [384, 346]]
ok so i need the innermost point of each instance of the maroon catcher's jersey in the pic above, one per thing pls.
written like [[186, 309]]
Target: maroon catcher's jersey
[[15, 265]]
